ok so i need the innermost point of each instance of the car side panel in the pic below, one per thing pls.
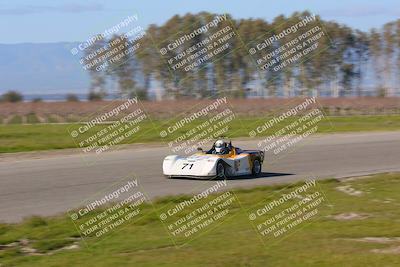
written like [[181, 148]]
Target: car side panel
[[238, 165], [189, 166], [244, 164]]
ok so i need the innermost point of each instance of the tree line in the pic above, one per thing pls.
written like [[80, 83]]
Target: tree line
[[349, 62]]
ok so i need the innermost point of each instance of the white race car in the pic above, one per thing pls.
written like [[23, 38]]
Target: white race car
[[222, 160]]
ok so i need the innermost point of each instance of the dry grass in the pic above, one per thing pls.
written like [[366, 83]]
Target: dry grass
[[72, 111]]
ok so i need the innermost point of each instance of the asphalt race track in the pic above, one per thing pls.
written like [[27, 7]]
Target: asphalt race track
[[57, 182]]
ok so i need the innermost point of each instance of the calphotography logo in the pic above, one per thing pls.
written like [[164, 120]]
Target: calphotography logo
[[105, 34], [288, 210], [111, 127], [110, 210], [199, 126], [287, 130], [190, 50], [288, 44], [117, 45], [191, 218]]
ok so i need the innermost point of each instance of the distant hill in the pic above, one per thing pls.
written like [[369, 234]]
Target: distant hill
[[45, 68]]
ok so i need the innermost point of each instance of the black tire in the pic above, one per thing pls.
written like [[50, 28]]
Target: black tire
[[256, 170], [220, 170]]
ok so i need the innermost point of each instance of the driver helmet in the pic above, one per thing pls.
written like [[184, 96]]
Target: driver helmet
[[219, 146]]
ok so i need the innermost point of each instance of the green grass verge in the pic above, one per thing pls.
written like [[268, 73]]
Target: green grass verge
[[17, 138], [323, 241], [15, 120], [32, 118]]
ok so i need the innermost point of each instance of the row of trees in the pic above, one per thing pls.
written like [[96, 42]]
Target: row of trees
[[347, 62], [15, 96], [11, 96]]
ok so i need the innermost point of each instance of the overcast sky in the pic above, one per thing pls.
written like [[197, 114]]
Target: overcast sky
[[64, 20]]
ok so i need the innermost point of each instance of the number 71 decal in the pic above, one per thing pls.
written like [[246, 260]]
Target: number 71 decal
[[187, 164]]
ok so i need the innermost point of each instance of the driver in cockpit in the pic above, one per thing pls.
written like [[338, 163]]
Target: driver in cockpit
[[220, 147]]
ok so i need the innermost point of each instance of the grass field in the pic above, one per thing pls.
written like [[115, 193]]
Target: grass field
[[18, 138], [357, 226]]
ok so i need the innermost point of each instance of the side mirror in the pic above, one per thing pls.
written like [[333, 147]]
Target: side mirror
[[199, 149]]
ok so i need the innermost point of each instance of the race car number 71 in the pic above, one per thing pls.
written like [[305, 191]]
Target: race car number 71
[[187, 164]]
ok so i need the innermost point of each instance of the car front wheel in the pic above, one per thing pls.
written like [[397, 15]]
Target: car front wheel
[[220, 170], [256, 171]]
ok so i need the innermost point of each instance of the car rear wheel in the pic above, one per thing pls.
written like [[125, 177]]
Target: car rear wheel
[[256, 167], [220, 170]]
